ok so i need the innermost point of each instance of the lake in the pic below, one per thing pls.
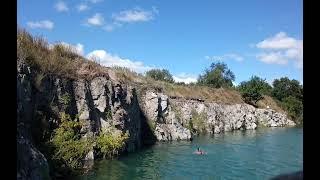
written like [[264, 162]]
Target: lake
[[251, 154]]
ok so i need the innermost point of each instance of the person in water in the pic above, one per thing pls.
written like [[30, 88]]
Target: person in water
[[199, 151]]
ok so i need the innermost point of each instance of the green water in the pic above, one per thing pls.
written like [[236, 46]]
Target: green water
[[252, 154]]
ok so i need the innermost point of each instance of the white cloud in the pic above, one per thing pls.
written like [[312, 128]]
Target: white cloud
[[230, 56], [110, 60], [279, 41], [45, 24], [134, 15], [186, 78], [280, 49], [96, 20], [273, 58], [61, 6], [82, 7]]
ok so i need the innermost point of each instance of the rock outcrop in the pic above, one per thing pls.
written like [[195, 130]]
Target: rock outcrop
[[162, 118], [163, 112], [31, 163], [221, 118]]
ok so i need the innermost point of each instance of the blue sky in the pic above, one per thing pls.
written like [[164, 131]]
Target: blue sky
[[253, 37]]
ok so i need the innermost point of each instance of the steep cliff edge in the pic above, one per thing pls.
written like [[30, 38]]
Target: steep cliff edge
[[101, 103]]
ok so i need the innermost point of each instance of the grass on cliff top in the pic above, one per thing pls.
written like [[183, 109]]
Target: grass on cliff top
[[58, 59]]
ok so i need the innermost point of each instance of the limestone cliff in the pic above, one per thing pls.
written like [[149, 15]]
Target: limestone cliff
[[171, 116]]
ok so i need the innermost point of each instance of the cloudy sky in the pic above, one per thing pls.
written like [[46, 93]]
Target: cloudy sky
[[252, 37]]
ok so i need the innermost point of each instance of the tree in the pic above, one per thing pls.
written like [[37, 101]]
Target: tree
[[294, 108], [253, 89], [218, 75], [290, 94], [161, 75], [284, 87]]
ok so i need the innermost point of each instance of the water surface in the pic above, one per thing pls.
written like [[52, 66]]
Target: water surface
[[251, 154]]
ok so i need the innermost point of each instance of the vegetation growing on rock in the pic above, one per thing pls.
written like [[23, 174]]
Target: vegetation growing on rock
[[67, 143], [217, 75], [197, 122], [109, 142], [253, 90], [160, 75]]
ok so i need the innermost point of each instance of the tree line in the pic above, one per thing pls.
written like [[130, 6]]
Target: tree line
[[287, 93]]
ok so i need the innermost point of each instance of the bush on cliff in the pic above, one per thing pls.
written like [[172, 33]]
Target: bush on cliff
[[252, 90], [110, 143], [197, 122], [69, 147], [160, 75], [217, 76], [290, 95], [284, 87], [294, 108]]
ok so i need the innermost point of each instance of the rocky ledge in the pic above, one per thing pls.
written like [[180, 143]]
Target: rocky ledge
[[171, 117]]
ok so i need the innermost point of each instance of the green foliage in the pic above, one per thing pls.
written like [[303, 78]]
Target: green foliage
[[294, 108], [218, 75], [197, 123], [284, 87], [253, 90], [65, 99], [109, 143], [68, 145], [290, 94], [160, 75]]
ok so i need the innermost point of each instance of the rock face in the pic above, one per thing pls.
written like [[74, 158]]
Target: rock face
[[31, 163], [99, 103], [221, 118], [170, 123], [160, 115]]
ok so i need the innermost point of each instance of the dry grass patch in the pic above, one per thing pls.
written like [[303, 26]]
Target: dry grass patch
[[269, 101], [56, 59]]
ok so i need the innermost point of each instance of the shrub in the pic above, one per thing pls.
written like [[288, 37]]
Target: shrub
[[290, 94], [284, 87], [218, 75], [253, 90], [160, 75], [198, 121], [65, 99], [294, 108], [69, 147], [110, 143]]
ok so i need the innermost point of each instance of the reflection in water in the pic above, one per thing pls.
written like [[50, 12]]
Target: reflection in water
[[252, 154]]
